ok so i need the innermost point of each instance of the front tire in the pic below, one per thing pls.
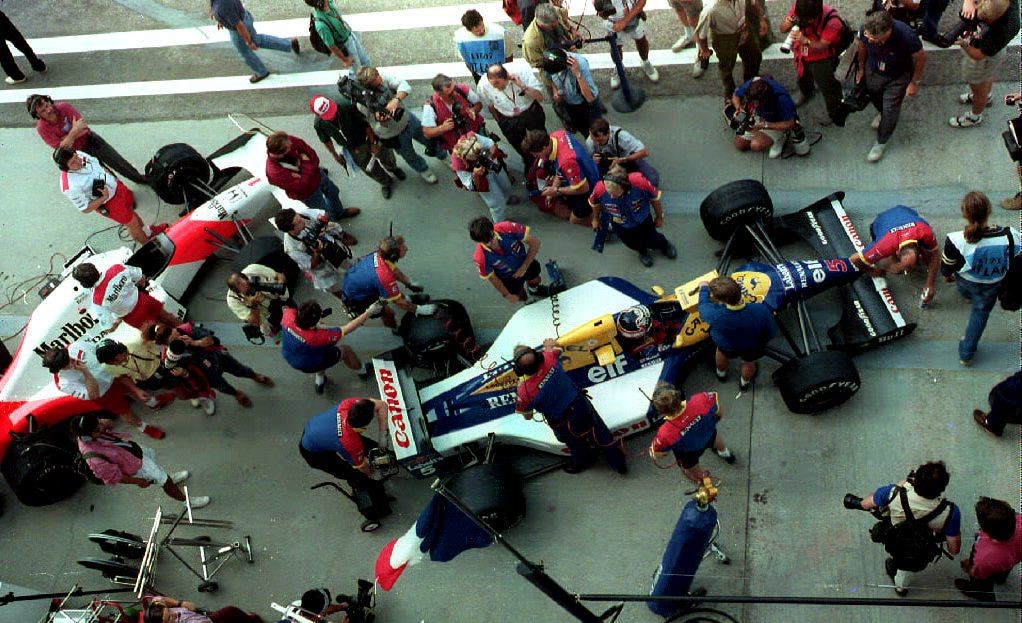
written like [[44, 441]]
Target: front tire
[[735, 204], [818, 381]]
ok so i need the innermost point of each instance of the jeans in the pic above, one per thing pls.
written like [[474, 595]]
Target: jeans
[[262, 41], [983, 297], [404, 147], [10, 32], [356, 51], [496, 198], [887, 94], [327, 198]]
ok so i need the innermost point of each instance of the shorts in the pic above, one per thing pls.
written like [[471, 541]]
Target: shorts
[[749, 356], [121, 207], [514, 286], [975, 72], [692, 8], [150, 470], [639, 32], [690, 458], [579, 205], [147, 309], [328, 358], [115, 400], [775, 135]]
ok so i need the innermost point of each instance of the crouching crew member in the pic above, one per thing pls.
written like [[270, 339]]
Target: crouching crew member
[[506, 257], [900, 237], [374, 277], [332, 441], [546, 387]]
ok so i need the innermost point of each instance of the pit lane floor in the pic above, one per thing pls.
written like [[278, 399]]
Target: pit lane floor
[[597, 532]]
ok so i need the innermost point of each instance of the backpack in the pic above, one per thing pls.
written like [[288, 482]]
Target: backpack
[[911, 543], [317, 42], [1009, 293], [847, 34]]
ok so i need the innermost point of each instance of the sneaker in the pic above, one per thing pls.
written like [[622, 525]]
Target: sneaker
[[1012, 203], [876, 152], [615, 81], [577, 468], [650, 71], [744, 385], [699, 67], [965, 363], [683, 42], [891, 571], [669, 251], [966, 98], [365, 371], [428, 176], [199, 501], [351, 212], [320, 386], [195, 403], [10, 80], [776, 149], [980, 419], [621, 469], [399, 174], [153, 431], [255, 78], [646, 259], [875, 124], [721, 374], [386, 191], [965, 121], [295, 47], [179, 477], [40, 68], [208, 405], [539, 291], [728, 456], [162, 400]]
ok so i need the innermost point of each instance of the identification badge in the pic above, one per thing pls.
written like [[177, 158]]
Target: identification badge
[[517, 110], [882, 65]]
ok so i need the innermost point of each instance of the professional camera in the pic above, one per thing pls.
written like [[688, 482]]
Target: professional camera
[[738, 120], [496, 165], [315, 237], [460, 119], [258, 284], [788, 41], [967, 29], [360, 607], [375, 101]]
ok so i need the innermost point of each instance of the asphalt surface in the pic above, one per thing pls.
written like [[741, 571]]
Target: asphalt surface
[[782, 523]]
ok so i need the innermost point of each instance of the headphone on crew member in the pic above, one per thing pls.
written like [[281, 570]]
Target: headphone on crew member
[[33, 101], [63, 155], [621, 181], [520, 367]]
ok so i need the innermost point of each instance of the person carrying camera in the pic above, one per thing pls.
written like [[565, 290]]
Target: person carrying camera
[[573, 90], [628, 19], [997, 24], [998, 549], [91, 188], [306, 347], [375, 277], [452, 111], [733, 27], [890, 61], [336, 34], [901, 238], [737, 328], [689, 429], [479, 166], [395, 126], [633, 208], [319, 250], [612, 145], [293, 166], [550, 28], [506, 257], [915, 517], [571, 172], [815, 29], [257, 295], [771, 117], [514, 101], [333, 441]]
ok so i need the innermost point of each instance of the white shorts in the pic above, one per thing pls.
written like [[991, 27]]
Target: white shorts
[[639, 32], [775, 135], [150, 470]]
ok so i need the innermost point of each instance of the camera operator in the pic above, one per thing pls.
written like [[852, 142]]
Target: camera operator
[[514, 101], [929, 30], [309, 348], [890, 58], [997, 25], [612, 145], [815, 28], [771, 117], [480, 167], [574, 93], [628, 20], [920, 497], [451, 112], [91, 188], [551, 28], [164, 609], [256, 295], [293, 165], [734, 27], [316, 605], [374, 277], [321, 255], [395, 126]]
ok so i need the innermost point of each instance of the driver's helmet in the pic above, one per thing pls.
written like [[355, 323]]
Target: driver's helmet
[[634, 322]]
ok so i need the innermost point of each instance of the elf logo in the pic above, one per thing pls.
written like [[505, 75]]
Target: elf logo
[[599, 374]]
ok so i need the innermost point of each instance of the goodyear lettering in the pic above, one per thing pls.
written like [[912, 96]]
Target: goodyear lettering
[[69, 332], [816, 227], [861, 313], [761, 210], [397, 412], [808, 396], [599, 374]]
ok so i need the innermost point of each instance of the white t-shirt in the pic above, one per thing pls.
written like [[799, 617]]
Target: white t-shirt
[[481, 52], [116, 293], [72, 382], [324, 276], [77, 185], [512, 100]]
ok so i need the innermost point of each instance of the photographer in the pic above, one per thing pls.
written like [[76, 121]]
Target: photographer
[[375, 277], [256, 295], [308, 348], [395, 126], [293, 166], [320, 251], [575, 96], [916, 500], [514, 101], [628, 20], [551, 28], [164, 609], [890, 58], [480, 167], [815, 29], [612, 145], [315, 605], [734, 28], [451, 112], [770, 117], [997, 25], [91, 188]]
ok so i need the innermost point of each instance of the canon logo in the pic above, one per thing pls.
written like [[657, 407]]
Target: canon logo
[[850, 230], [388, 385]]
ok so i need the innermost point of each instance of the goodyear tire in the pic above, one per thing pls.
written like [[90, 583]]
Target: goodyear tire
[[818, 381], [733, 205], [172, 168], [40, 473], [492, 491]]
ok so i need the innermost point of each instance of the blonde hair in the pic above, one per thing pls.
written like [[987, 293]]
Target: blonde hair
[[618, 171], [468, 148], [366, 74], [667, 399]]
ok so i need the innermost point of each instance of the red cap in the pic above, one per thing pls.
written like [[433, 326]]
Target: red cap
[[324, 107]]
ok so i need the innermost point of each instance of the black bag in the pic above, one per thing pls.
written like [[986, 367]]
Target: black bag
[[911, 543], [1010, 290], [39, 465], [82, 466]]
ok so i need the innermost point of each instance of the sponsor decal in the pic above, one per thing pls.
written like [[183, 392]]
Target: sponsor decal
[[850, 230], [114, 291], [599, 374], [836, 265], [395, 405], [893, 335], [502, 400], [801, 274], [885, 294], [808, 396], [69, 332], [761, 210], [816, 227], [217, 207], [861, 313]]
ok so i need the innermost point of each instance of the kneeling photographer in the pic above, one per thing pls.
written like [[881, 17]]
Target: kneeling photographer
[[317, 605], [983, 40], [319, 247], [480, 166], [763, 116], [257, 295]]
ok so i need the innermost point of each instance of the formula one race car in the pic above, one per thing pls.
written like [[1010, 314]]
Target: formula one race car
[[35, 460], [619, 341]]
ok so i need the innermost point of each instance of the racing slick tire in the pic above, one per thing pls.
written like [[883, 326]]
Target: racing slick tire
[[40, 472], [818, 381], [493, 491], [121, 544], [734, 204], [172, 168], [112, 568]]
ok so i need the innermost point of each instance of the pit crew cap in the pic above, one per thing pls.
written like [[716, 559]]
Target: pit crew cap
[[324, 107]]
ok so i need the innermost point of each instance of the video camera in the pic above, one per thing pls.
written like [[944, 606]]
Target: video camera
[[258, 284], [1013, 134], [314, 237], [359, 610], [968, 29], [375, 101]]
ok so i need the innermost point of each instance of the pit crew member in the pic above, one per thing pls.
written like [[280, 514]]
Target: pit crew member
[[737, 328], [332, 441], [309, 348], [900, 237], [119, 295], [689, 428], [627, 199], [506, 257], [375, 278], [575, 171]]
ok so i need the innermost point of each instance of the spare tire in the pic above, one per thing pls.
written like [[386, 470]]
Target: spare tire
[[40, 472], [493, 492], [172, 168], [734, 204], [818, 381]]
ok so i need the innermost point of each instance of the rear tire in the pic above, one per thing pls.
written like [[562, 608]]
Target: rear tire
[[734, 204], [491, 491], [172, 168], [40, 473], [818, 381]]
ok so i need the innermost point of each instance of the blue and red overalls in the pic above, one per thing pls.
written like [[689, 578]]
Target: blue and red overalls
[[308, 350], [370, 279], [893, 229]]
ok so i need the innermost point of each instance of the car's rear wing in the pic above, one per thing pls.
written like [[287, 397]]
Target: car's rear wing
[[871, 316], [406, 423]]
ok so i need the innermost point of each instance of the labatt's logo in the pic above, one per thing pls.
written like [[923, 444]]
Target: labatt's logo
[[69, 332], [398, 423]]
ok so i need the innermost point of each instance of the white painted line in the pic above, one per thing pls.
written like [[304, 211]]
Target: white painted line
[[380, 21]]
